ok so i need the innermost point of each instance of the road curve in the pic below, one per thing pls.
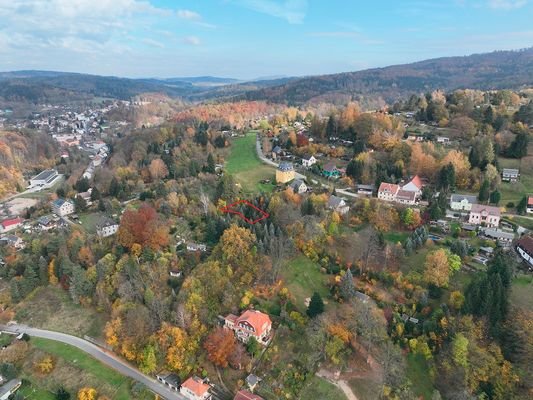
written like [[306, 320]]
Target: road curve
[[101, 355]]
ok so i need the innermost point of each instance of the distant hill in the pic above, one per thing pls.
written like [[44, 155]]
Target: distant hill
[[496, 70]]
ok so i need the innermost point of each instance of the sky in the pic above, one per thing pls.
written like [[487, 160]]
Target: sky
[[247, 39]]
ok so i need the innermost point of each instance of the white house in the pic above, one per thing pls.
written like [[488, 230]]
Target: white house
[[510, 175], [414, 185], [195, 388], [481, 214], [443, 139], [405, 197], [308, 160], [524, 247], [338, 204], [463, 202], [9, 388], [62, 207], [298, 186], [388, 191], [251, 323], [108, 228]]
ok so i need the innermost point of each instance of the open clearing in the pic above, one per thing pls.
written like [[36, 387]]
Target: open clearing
[[521, 292], [51, 308], [246, 167], [319, 388], [75, 369], [303, 277]]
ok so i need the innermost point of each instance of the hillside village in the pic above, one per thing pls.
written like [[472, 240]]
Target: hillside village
[[382, 227]]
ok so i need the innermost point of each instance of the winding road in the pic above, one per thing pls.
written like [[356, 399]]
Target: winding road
[[101, 355]]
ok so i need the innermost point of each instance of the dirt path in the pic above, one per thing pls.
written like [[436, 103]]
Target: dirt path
[[341, 384]]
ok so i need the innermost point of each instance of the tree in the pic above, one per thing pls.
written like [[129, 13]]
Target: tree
[[347, 287], [45, 365], [253, 347], [484, 191], [87, 393], [316, 306], [518, 147], [460, 350], [219, 345], [62, 394], [210, 164], [446, 180], [143, 227], [82, 185], [80, 204], [437, 268], [495, 197], [158, 169], [149, 360], [201, 137], [522, 206]]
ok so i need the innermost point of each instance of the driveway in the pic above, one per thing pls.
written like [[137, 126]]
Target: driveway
[[101, 355]]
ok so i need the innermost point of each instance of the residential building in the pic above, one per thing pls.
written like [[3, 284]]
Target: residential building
[[414, 185], [196, 247], [529, 208], [13, 241], [308, 160], [251, 323], [524, 247], [330, 170], [175, 273], [510, 175], [405, 197], [46, 223], [462, 202], [252, 381], [62, 207], [9, 388], [246, 395], [338, 204], [195, 388], [481, 214], [107, 228], [285, 172], [45, 178], [86, 196], [276, 152], [298, 186], [388, 191], [10, 224], [443, 139], [169, 379]]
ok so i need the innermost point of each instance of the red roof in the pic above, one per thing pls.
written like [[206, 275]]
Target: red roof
[[13, 221], [417, 181], [530, 200], [246, 395], [258, 320], [196, 385], [388, 187]]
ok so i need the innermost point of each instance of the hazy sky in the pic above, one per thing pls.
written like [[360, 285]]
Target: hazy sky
[[251, 38]]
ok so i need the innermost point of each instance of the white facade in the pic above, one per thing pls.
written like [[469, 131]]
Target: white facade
[[458, 202], [484, 215], [309, 161], [45, 178], [62, 207], [107, 229]]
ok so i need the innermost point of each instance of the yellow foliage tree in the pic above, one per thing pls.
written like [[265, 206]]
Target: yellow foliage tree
[[52, 278], [87, 393], [45, 365]]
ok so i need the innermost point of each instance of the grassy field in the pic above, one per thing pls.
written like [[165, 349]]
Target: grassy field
[[319, 388], [395, 237], [89, 221], [365, 389], [418, 374], [75, 369], [521, 292], [51, 308], [32, 391], [524, 222], [303, 277], [246, 167]]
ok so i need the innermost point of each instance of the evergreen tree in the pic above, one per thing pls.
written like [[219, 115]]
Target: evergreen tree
[[488, 115], [62, 394], [316, 306], [484, 191], [347, 287], [210, 164], [331, 127], [95, 195], [446, 180], [201, 137], [114, 187], [495, 197], [522, 206], [518, 147]]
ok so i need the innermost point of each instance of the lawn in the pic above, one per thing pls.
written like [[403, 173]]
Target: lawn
[[246, 167], [75, 369], [418, 374], [89, 221], [365, 389], [51, 308], [395, 237], [320, 388], [523, 222], [31, 391], [303, 277], [521, 292]]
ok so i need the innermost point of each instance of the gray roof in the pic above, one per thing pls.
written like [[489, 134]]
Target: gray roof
[[10, 386], [497, 234], [297, 183], [285, 166], [460, 197], [252, 379], [510, 171], [44, 175], [334, 201]]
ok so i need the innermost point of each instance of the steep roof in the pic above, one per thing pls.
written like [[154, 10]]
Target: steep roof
[[259, 321], [530, 200], [460, 197], [388, 187], [285, 166], [246, 395], [416, 181], [330, 167], [526, 243], [490, 210], [196, 385], [9, 222], [335, 201]]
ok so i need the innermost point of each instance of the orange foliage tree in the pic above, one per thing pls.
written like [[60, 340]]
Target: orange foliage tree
[[143, 227], [220, 345]]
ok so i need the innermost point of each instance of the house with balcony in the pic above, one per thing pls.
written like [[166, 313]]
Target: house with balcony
[[251, 323], [481, 214]]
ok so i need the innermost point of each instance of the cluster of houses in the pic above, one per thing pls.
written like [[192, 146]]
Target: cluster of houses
[[408, 194], [250, 324]]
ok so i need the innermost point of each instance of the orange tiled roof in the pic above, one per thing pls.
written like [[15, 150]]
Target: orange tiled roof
[[196, 385], [260, 321], [388, 187]]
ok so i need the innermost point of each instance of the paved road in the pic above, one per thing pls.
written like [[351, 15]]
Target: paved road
[[100, 354]]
